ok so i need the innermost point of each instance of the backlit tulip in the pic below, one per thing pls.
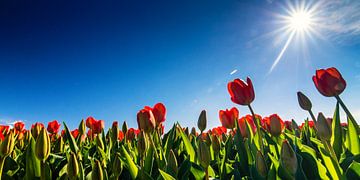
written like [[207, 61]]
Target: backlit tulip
[[4, 129], [7, 146], [53, 127], [229, 117], [19, 126], [275, 125], [159, 112], [323, 127], [288, 125], [90, 121], [242, 124], [98, 126], [241, 92], [329, 82], [75, 133], [288, 158], [145, 120]]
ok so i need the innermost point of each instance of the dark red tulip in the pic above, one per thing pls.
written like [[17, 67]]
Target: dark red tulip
[[53, 127], [75, 133], [4, 129], [145, 119], [288, 125], [242, 124], [275, 125], [311, 124], [2, 136], [130, 134], [120, 136], [241, 92], [98, 126], [329, 82], [229, 117], [19, 126]]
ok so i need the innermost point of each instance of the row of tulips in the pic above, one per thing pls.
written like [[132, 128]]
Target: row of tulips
[[250, 147]]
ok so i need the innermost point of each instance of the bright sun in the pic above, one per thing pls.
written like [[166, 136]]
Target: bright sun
[[300, 21]]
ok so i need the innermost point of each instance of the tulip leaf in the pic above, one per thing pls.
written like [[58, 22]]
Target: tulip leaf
[[333, 167], [336, 138], [32, 165], [189, 148], [130, 165], [149, 159], [166, 176], [353, 134], [353, 172], [72, 143], [197, 171]]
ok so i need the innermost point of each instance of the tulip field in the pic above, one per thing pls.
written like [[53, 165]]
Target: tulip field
[[244, 146]]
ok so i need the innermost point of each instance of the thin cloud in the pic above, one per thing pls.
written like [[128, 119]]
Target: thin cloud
[[233, 72]]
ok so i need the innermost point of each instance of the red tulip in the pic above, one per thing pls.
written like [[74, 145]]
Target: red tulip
[[344, 124], [4, 129], [311, 124], [145, 119], [121, 136], [19, 126], [1, 136], [275, 125], [98, 126], [241, 93], [288, 125], [229, 117], [218, 131], [75, 133], [130, 134], [159, 112], [53, 127], [329, 82], [90, 121], [242, 124]]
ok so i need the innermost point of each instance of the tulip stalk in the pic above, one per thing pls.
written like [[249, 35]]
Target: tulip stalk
[[2, 161], [345, 108], [258, 128]]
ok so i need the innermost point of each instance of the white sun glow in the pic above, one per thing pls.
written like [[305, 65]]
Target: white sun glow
[[299, 22]]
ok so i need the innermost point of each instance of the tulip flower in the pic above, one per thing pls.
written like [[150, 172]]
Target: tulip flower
[[229, 117], [98, 126], [146, 120], [4, 129], [82, 127], [19, 126], [42, 146], [36, 128], [53, 127], [124, 127], [202, 121], [241, 92], [288, 125], [275, 125], [288, 158], [323, 127], [329, 82], [115, 131], [159, 112], [242, 124], [305, 104], [90, 121], [120, 136], [7, 146], [75, 133]]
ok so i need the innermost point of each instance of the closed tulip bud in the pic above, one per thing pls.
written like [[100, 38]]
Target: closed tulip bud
[[72, 166], [288, 158], [97, 171], [304, 101], [215, 144], [117, 166], [42, 146], [172, 162], [99, 142], [7, 146], [124, 127], [204, 154], [59, 145], [193, 131], [28, 136], [261, 164], [323, 127], [202, 121], [142, 143], [35, 129], [82, 127], [114, 131]]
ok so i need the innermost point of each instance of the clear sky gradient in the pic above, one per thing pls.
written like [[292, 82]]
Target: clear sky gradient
[[67, 60]]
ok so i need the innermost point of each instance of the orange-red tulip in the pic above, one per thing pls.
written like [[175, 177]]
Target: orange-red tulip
[[53, 127], [275, 125], [145, 119], [329, 82], [242, 124], [229, 117], [19, 126]]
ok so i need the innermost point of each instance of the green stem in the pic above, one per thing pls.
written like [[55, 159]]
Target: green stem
[[2, 160], [42, 163], [312, 116], [258, 128], [206, 173], [345, 108]]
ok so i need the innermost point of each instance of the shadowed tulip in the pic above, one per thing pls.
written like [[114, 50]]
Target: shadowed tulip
[[329, 82], [229, 117], [241, 92]]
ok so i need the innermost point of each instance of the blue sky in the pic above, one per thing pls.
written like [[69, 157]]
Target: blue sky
[[68, 60]]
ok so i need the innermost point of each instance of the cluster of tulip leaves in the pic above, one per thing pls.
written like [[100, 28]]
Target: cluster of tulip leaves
[[177, 155]]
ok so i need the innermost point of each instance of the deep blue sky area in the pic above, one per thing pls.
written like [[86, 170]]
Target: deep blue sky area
[[67, 60]]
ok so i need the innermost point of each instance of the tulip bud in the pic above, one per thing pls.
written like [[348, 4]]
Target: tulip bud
[[186, 131], [35, 129], [261, 164], [117, 165], [114, 131], [203, 154], [73, 166], [202, 121], [276, 125], [7, 146], [124, 127], [215, 144], [323, 127], [42, 146], [97, 171], [172, 162], [288, 158], [99, 142], [193, 131], [82, 127], [59, 146], [142, 144], [304, 101]]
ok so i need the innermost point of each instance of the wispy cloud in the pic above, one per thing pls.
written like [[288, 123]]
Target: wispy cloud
[[341, 21], [233, 72]]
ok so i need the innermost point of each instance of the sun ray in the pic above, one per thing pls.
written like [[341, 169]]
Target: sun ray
[[282, 51]]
